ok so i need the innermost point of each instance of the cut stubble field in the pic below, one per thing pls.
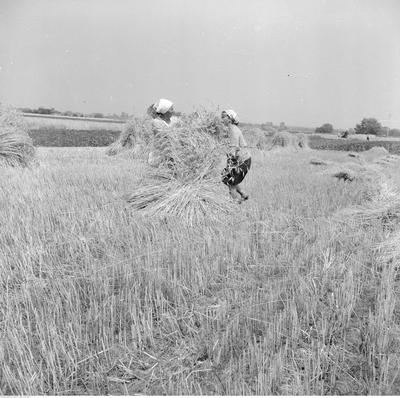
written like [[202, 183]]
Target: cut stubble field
[[289, 296]]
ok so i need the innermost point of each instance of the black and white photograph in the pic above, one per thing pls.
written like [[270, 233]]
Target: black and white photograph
[[199, 197]]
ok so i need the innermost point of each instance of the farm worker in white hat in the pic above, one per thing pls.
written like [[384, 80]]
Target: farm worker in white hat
[[238, 157], [162, 113]]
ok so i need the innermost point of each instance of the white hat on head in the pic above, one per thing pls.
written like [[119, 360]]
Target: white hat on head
[[232, 115], [163, 105]]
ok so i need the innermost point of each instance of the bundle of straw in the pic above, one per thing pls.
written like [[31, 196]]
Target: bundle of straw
[[192, 203], [289, 141], [191, 153], [187, 183], [135, 134], [16, 147]]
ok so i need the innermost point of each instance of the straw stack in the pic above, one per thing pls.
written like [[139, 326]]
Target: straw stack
[[133, 139], [289, 141], [187, 183], [16, 147]]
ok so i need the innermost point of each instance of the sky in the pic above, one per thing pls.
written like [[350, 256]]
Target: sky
[[302, 62]]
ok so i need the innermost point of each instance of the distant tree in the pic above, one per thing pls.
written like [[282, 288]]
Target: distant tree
[[394, 133], [326, 128], [97, 115], [384, 132], [124, 116], [26, 110], [45, 111], [282, 126], [369, 126]]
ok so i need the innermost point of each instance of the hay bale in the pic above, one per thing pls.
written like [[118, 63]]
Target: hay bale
[[16, 147], [189, 151], [136, 132], [204, 120], [289, 141], [257, 137], [377, 150], [283, 139], [193, 202], [187, 181], [374, 153]]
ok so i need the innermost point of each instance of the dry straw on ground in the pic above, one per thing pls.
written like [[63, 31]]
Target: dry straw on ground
[[16, 147], [372, 179], [382, 197], [384, 205], [187, 182], [390, 248]]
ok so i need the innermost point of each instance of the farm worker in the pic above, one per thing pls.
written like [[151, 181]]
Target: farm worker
[[238, 157], [162, 114]]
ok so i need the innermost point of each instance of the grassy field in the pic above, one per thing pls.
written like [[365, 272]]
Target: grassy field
[[288, 297]]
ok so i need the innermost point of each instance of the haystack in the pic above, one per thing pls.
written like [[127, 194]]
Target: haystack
[[187, 183], [257, 138], [289, 141], [134, 137], [375, 153], [191, 202], [16, 147]]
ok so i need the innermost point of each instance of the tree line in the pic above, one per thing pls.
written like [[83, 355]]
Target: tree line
[[52, 111], [367, 126]]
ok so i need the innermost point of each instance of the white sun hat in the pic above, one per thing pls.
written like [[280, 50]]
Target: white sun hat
[[163, 105], [232, 115]]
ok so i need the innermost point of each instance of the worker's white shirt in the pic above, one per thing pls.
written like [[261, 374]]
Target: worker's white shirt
[[237, 141]]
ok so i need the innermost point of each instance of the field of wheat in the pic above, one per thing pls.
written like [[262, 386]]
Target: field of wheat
[[294, 294]]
